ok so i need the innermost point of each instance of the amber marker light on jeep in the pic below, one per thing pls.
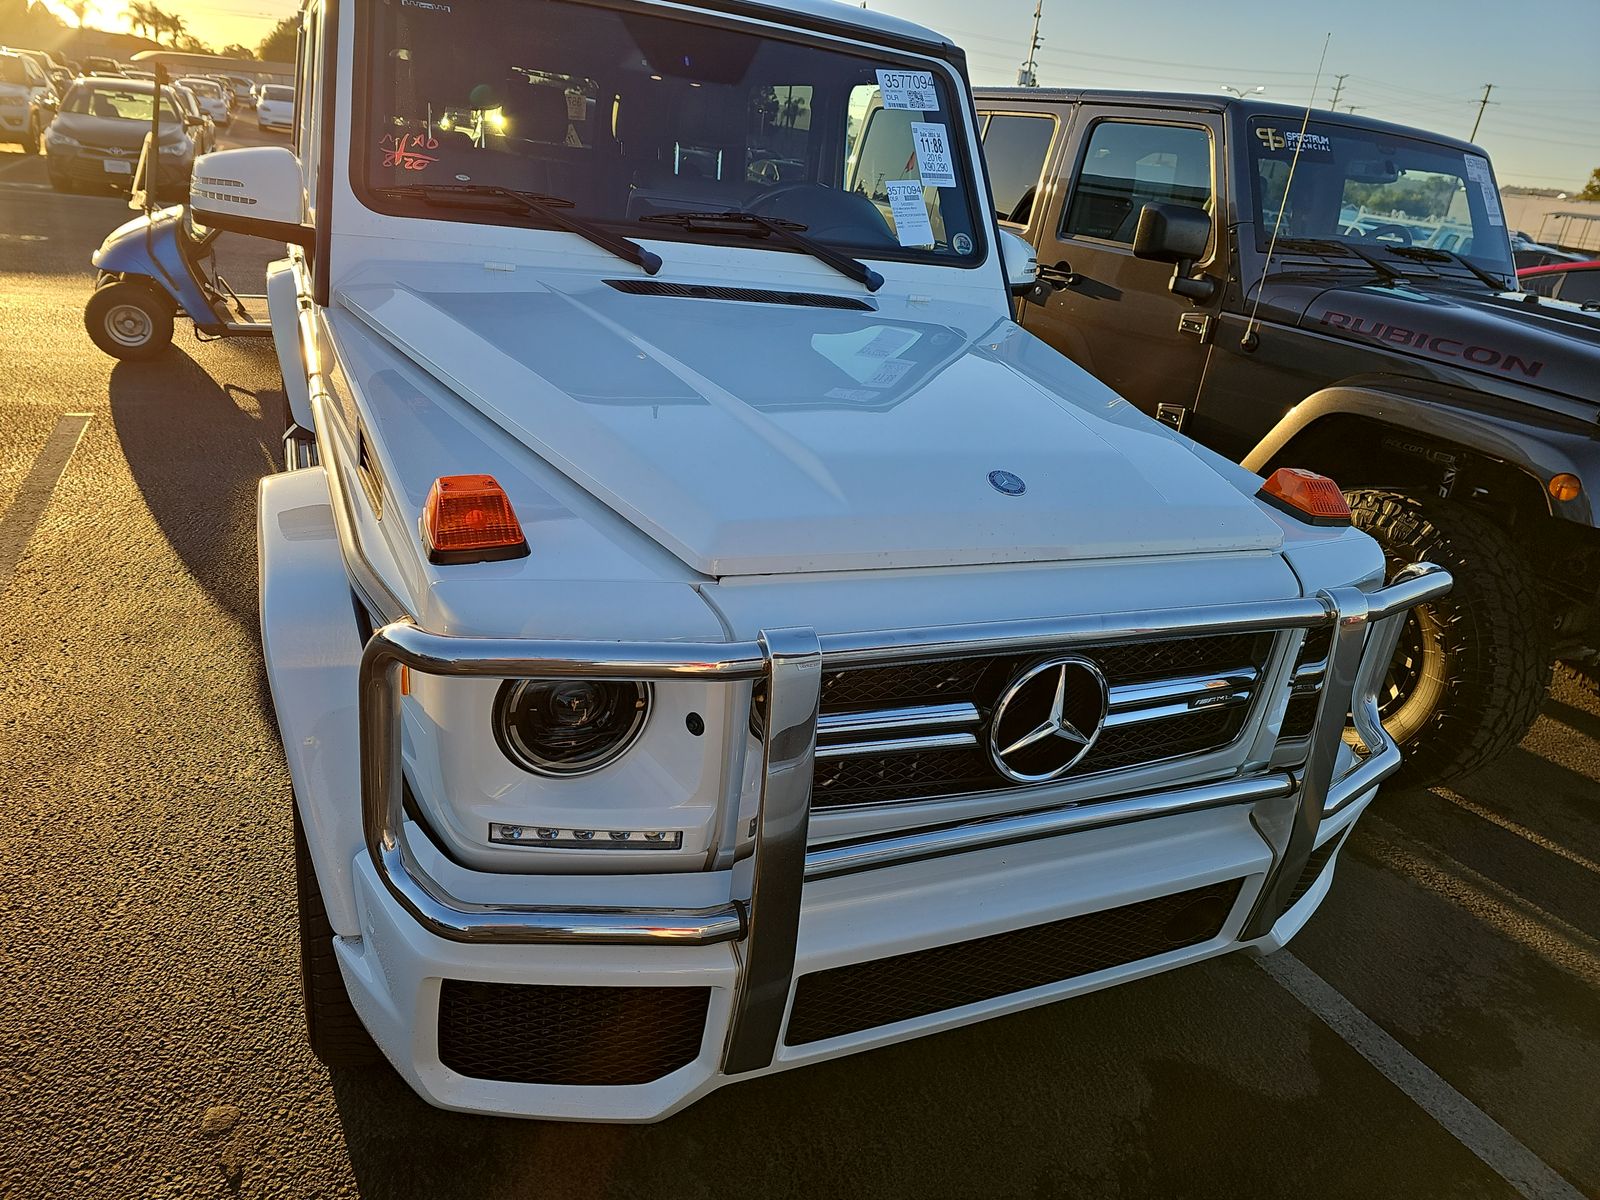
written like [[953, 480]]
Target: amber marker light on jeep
[[1306, 495], [1565, 487], [468, 518]]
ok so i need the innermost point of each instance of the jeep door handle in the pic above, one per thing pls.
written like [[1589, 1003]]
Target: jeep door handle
[[1059, 276]]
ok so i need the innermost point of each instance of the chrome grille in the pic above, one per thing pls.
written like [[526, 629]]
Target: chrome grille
[[919, 730]]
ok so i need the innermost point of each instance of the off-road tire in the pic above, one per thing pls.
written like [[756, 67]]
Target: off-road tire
[[1485, 646], [130, 320], [333, 1029]]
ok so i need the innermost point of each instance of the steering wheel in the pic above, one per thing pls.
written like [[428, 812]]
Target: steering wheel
[[1392, 228], [765, 198]]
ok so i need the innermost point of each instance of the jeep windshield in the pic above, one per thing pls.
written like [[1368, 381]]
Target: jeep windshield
[[629, 117], [1375, 192]]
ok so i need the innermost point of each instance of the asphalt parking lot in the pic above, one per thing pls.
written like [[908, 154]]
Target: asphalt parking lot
[[1435, 1032]]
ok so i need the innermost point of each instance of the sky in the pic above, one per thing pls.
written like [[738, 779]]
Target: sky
[[1419, 62]]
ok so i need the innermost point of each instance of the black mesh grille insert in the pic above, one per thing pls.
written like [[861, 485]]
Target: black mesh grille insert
[[1300, 716], [585, 1036], [1315, 865], [869, 778], [700, 291], [866, 995]]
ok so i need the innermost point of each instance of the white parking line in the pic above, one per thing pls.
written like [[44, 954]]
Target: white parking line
[[1522, 831], [1480, 1133], [22, 518]]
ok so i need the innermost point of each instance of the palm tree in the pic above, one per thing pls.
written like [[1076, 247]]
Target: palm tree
[[141, 17], [792, 109], [175, 27], [78, 8]]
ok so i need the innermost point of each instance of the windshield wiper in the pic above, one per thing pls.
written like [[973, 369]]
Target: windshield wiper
[[547, 208], [1318, 245], [790, 233], [1437, 254]]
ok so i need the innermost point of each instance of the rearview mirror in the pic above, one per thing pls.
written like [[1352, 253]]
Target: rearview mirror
[[1176, 234], [256, 190], [1021, 262]]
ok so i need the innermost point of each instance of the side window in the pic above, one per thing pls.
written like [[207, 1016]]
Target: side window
[[1130, 165], [305, 99], [1544, 285], [1580, 286], [1015, 147]]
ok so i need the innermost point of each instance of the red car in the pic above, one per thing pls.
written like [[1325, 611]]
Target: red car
[[1578, 282]]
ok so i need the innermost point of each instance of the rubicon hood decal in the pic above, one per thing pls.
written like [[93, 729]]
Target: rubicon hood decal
[[759, 439]]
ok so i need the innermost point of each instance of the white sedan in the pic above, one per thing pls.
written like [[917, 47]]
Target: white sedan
[[275, 108]]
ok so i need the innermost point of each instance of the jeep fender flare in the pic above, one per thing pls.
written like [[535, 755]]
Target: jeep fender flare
[[1534, 442]]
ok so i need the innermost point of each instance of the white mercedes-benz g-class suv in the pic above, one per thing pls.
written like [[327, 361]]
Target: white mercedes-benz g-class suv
[[708, 635]]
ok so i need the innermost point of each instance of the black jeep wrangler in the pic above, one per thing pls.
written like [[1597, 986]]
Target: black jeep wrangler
[[1337, 294]]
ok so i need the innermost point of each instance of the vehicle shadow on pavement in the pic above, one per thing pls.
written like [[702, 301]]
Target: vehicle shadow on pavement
[[196, 449]]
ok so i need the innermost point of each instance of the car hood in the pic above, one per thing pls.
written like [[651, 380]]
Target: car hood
[[1551, 346], [773, 438], [108, 131]]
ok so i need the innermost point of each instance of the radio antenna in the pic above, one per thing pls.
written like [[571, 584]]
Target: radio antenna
[[1251, 338]]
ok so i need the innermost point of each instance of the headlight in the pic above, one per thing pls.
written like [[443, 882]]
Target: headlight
[[61, 139], [177, 149], [569, 726]]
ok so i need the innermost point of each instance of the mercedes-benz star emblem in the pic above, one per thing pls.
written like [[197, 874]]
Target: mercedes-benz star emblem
[[1006, 483], [1048, 719]]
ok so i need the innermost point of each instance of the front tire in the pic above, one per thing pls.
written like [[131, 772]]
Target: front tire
[[30, 145], [1472, 668], [334, 1031], [129, 320]]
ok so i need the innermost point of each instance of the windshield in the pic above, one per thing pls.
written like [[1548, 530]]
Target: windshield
[[11, 71], [629, 116], [1377, 191], [117, 103]]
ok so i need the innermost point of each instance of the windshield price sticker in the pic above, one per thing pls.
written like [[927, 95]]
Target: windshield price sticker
[[577, 107], [933, 155], [908, 89], [910, 212], [1478, 172], [891, 372]]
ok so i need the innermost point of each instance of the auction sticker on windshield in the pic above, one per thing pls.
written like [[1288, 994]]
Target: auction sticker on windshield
[[910, 212], [933, 155], [908, 89], [1478, 171]]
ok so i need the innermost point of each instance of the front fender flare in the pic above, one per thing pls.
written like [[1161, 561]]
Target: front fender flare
[[1537, 443]]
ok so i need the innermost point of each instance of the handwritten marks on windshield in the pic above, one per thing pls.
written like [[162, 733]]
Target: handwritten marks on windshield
[[408, 150]]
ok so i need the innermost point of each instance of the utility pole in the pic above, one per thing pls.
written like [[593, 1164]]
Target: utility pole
[[1482, 104], [1338, 87], [1028, 76]]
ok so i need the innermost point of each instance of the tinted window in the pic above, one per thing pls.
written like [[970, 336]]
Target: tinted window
[[1580, 286], [1128, 166], [11, 71], [1015, 148], [278, 93]]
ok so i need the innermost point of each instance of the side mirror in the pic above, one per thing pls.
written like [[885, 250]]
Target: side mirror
[[1021, 262], [256, 190], [1176, 234]]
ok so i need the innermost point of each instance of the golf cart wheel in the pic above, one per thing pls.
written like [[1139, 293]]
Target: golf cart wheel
[[1471, 668], [129, 320]]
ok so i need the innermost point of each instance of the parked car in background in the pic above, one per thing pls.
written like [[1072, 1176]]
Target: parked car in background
[[1528, 253], [1385, 344], [275, 107], [95, 139], [764, 649], [214, 102], [48, 66], [27, 101], [195, 119], [95, 64], [1575, 282], [244, 90]]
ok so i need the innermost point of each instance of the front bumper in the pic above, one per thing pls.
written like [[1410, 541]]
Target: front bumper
[[792, 922], [86, 165]]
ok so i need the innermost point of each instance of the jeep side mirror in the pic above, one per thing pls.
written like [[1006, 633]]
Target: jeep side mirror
[[1176, 234], [1021, 262], [255, 190]]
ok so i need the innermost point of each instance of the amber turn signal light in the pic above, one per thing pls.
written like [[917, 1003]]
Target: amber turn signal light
[[1305, 494], [468, 518], [1565, 487]]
